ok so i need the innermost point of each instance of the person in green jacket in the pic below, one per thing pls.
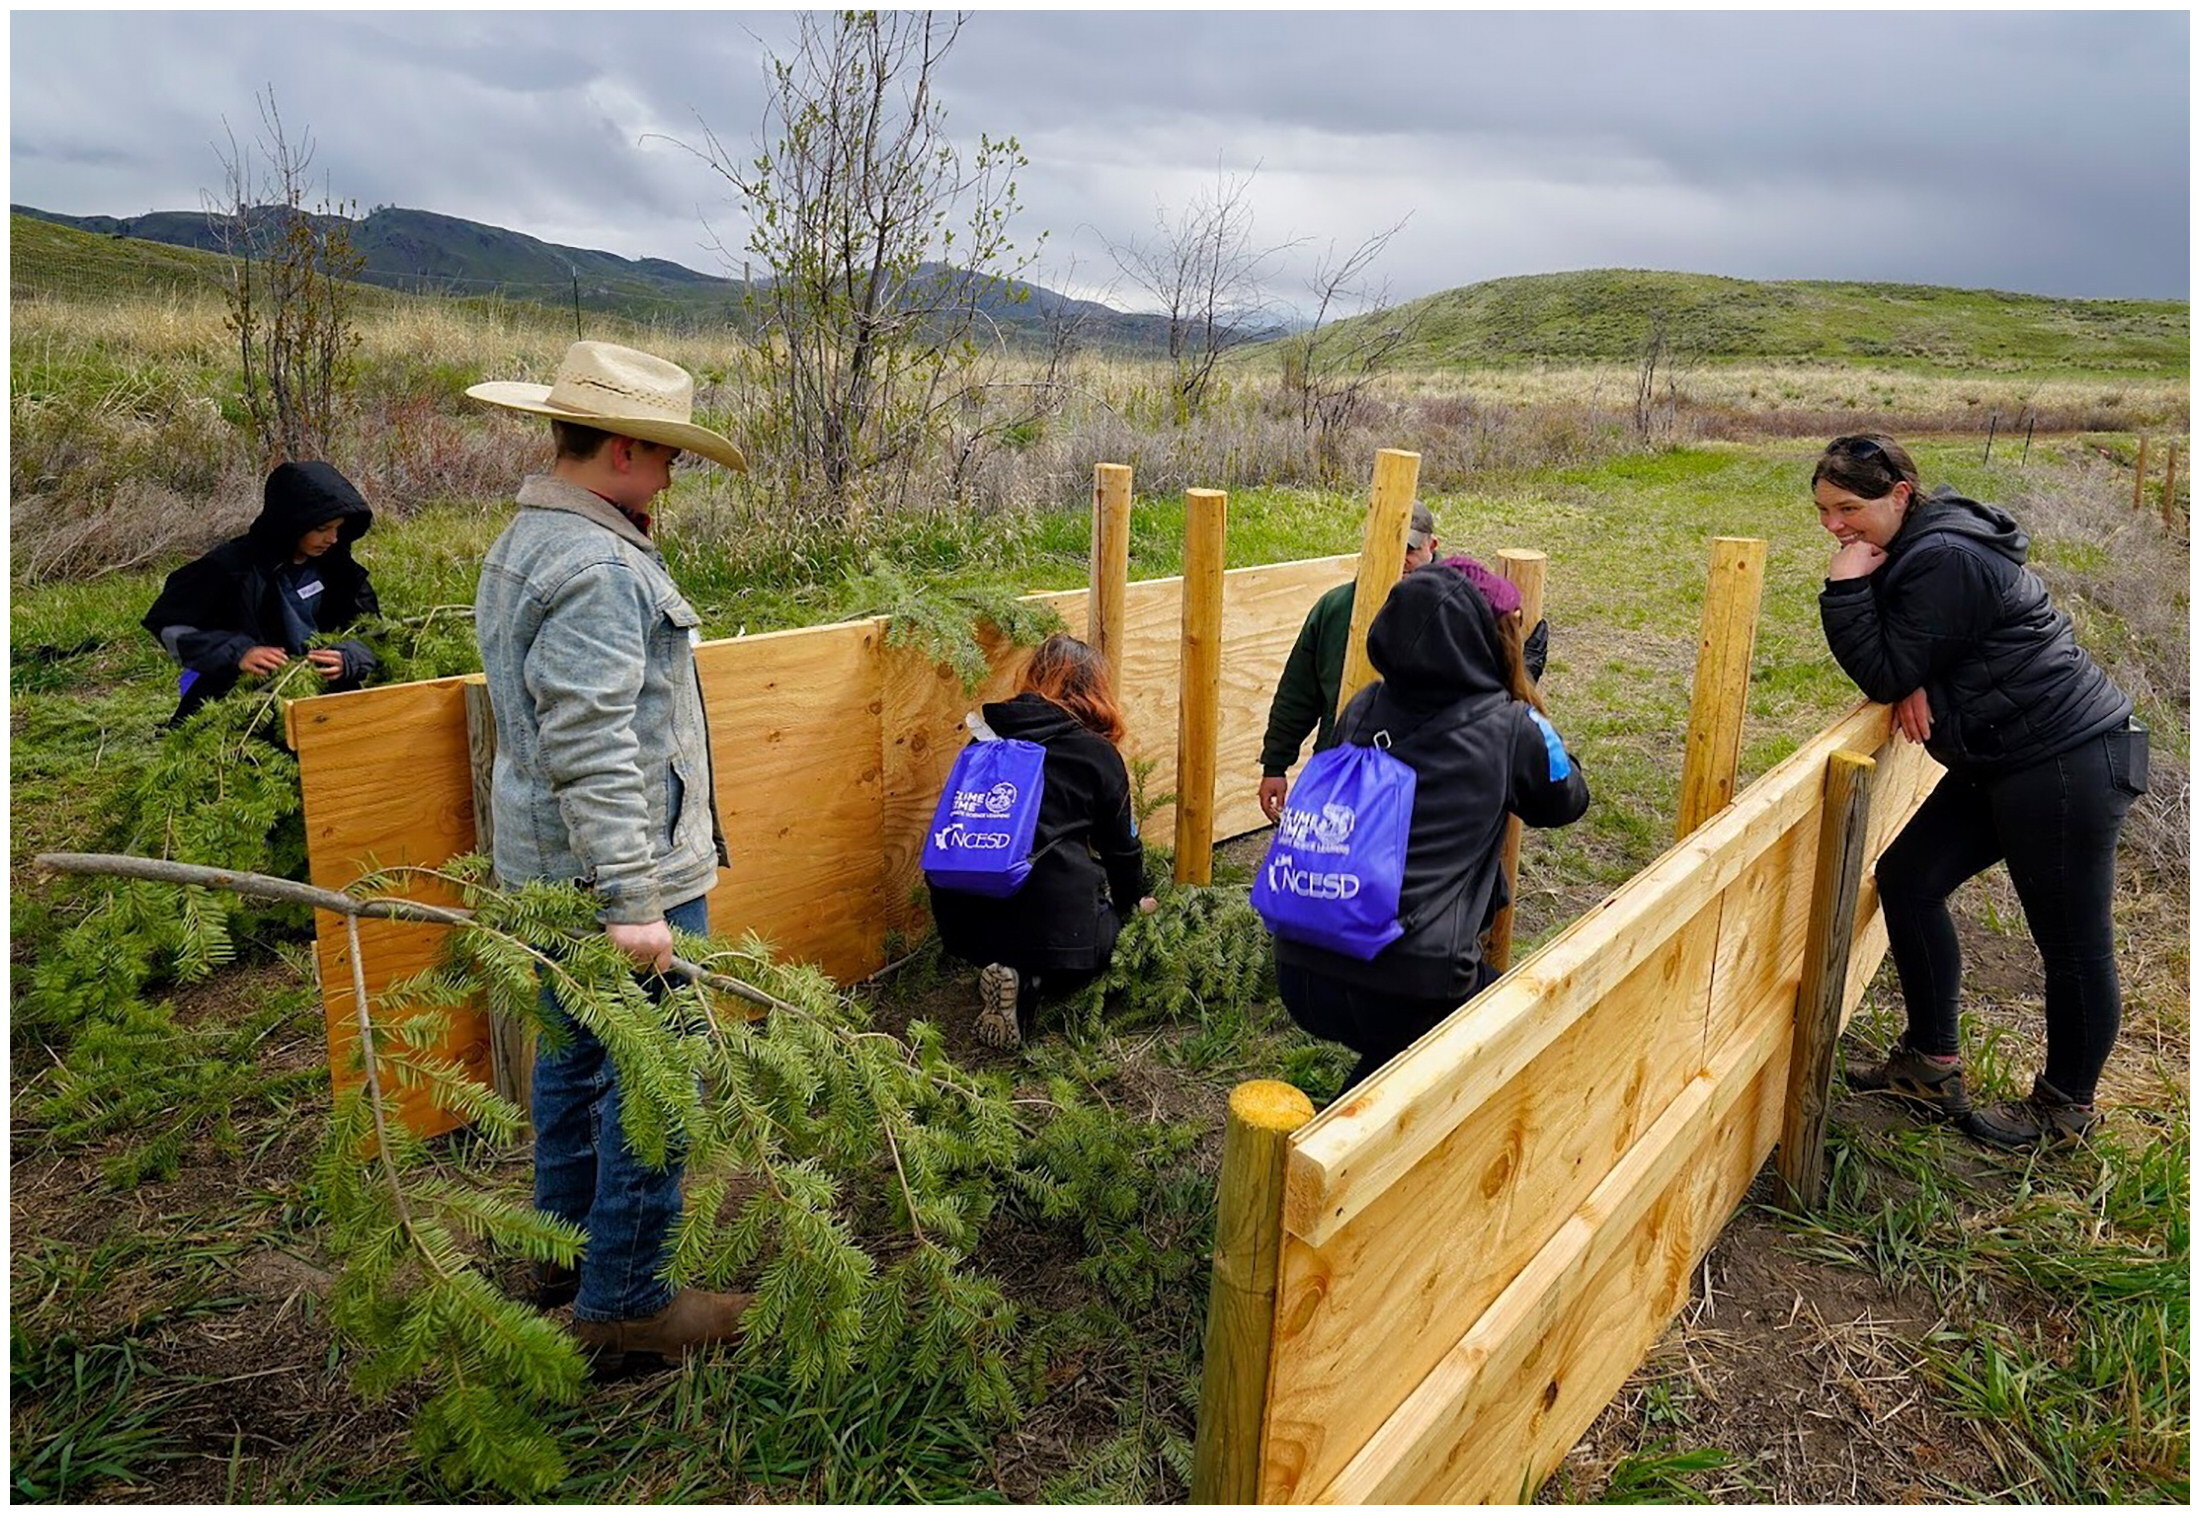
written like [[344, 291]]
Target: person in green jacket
[[1306, 694]]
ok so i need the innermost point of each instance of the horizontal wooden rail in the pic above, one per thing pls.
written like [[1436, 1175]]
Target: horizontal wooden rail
[[1355, 1149]]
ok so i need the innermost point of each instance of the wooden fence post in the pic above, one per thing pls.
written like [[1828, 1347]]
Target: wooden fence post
[[2169, 491], [1525, 568], [1721, 695], [1843, 839], [1382, 559], [2139, 477], [1111, 566], [1199, 687], [1241, 1291], [511, 1041]]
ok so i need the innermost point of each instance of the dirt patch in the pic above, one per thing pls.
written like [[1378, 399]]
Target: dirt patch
[[1804, 1373]]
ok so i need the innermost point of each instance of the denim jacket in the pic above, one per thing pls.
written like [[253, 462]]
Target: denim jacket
[[603, 772]]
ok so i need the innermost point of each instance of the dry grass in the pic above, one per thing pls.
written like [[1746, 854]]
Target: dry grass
[[1832, 398]]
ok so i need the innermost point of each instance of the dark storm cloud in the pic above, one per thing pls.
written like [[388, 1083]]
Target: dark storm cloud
[[2042, 151]]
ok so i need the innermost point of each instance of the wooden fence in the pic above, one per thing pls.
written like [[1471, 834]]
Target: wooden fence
[[830, 748], [1478, 1245]]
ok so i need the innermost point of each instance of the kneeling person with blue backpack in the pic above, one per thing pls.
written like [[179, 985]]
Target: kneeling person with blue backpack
[[1033, 859], [1385, 868]]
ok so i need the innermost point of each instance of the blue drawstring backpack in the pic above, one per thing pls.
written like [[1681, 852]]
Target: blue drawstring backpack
[[1333, 871], [980, 842]]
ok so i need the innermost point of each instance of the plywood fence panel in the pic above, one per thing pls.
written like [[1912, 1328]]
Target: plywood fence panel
[[1508, 1400], [794, 725], [1361, 1318], [1764, 924], [1352, 1152], [1567, 1256], [386, 781], [829, 749], [922, 705]]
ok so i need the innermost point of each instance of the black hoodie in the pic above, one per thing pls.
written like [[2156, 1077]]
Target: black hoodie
[[1478, 755], [215, 609], [1060, 919], [1954, 611]]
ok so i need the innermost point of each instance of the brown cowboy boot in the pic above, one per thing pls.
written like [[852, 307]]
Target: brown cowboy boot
[[695, 1318]]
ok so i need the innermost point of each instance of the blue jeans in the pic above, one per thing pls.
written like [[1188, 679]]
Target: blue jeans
[[585, 1172], [2055, 824]]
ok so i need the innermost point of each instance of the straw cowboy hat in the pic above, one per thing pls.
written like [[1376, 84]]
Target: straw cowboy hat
[[622, 391]]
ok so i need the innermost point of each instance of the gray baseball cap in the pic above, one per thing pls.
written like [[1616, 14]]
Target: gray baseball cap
[[1422, 529]]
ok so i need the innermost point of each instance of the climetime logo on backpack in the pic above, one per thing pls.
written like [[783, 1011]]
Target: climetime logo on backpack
[[1325, 831], [1333, 872], [998, 800], [988, 813]]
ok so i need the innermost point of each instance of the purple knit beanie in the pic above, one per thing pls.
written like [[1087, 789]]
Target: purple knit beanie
[[1502, 593]]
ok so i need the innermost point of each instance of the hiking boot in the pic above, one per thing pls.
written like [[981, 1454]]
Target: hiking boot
[[1911, 1075], [2043, 1118], [555, 1285], [996, 1025], [695, 1318]]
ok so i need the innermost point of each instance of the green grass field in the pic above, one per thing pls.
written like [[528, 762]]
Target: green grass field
[[121, 1290]]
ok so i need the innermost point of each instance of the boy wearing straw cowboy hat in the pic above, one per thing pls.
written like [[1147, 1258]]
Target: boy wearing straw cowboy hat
[[603, 777]]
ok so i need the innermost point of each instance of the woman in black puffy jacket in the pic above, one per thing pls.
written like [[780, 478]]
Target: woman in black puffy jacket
[[1929, 608], [1459, 709], [1057, 933]]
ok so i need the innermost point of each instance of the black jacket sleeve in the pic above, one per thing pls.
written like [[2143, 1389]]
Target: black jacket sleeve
[[1297, 707], [1547, 786], [1895, 630], [196, 617], [1115, 839], [360, 662]]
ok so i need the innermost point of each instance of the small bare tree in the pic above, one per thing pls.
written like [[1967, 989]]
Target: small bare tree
[[1209, 277], [291, 292], [884, 246], [1333, 364], [1662, 357]]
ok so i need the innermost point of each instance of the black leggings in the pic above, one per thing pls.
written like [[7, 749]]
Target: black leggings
[[2055, 824], [1378, 1026]]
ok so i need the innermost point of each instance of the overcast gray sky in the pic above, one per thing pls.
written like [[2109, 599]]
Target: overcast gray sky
[[2039, 151]]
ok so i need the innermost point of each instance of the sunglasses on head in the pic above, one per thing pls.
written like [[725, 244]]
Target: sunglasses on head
[[1860, 447]]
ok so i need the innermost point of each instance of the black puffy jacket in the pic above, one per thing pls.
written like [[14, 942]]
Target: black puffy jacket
[[1478, 755], [1954, 611], [218, 607], [1086, 836]]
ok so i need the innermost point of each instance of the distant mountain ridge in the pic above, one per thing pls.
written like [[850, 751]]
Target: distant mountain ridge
[[424, 252], [1588, 317]]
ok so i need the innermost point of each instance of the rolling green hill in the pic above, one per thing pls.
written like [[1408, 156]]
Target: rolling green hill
[[1606, 316]]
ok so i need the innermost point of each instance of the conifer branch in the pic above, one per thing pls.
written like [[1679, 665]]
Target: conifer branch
[[290, 891], [375, 1102]]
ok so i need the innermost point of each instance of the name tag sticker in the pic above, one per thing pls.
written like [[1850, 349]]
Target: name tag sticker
[[309, 589]]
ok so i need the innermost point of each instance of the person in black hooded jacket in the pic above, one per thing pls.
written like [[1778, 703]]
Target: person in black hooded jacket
[[245, 609], [1460, 710], [1929, 608], [1057, 933]]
